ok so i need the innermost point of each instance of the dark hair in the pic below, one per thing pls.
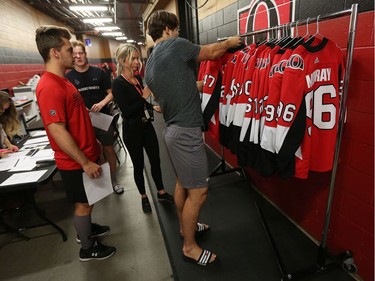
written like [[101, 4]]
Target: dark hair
[[48, 37], [158, 21]]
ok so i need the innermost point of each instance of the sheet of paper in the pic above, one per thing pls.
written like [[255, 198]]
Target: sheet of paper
[[24, 164], [101, 120], [27, 163], [44, 154], [36, 140], [11, 160], [97, 189], [38, 133], [26, 177], [40, 145]]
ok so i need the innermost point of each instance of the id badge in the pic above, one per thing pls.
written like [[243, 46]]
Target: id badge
[[147, 114]]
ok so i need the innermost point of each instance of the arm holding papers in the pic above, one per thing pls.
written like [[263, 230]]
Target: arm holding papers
[[98, 188], [66, 142]]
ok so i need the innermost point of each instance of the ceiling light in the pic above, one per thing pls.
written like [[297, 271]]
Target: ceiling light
[[121, 38], [130, 41], [97, 20], [88, 8], [107, 28], [112, 33]]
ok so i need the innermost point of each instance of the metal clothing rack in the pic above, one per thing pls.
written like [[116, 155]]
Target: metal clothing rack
[[221, 168], [324, 260]]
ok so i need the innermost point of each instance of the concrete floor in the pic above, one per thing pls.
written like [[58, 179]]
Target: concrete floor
[[141, 254], [141, 251]]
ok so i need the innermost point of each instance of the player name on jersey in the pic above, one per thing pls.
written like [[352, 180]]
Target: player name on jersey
[[278, 107]]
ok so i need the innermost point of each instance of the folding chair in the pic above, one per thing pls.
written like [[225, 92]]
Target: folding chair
[[119, 144]]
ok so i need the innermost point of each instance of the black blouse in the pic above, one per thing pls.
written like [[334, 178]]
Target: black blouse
[[129, 100]]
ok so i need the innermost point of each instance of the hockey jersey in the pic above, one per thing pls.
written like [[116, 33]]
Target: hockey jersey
[[308, 109], [211, 72]]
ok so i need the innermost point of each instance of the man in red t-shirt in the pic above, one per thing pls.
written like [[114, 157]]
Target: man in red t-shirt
[[71, 135]]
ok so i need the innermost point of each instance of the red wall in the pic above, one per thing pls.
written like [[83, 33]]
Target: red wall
[[305, 201], [12, 74]]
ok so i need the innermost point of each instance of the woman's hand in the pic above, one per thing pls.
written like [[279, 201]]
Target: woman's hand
[[13, 148], [4, 154], [157, 108]]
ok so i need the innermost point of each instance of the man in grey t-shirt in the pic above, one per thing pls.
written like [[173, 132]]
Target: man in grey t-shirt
[[170, 76]]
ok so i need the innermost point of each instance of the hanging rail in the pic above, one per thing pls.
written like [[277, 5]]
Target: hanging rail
[[299, 22], [345, 258]]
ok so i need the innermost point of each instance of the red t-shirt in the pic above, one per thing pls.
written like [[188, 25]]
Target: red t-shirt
[[60, 101]]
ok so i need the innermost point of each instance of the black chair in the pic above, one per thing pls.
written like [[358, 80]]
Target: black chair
[[119, 144]]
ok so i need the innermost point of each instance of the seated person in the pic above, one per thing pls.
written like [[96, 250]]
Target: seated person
[[9, 124]]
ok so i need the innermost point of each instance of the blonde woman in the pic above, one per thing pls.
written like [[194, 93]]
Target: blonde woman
[[9, 124], [138, 131]]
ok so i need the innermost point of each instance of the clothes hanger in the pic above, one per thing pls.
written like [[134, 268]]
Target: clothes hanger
[[267, 39], [288, 39], [317, 35], [294, 39], [301, 40]]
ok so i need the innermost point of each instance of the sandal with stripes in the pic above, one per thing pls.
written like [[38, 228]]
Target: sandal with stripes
[[203, 260]]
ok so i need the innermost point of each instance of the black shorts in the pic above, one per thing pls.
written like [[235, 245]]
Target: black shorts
[[106, 138], [73, 185]]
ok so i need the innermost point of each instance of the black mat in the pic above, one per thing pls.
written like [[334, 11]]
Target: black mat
[[237, 235]]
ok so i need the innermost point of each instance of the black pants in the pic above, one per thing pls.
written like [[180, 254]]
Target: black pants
[[137, 136]]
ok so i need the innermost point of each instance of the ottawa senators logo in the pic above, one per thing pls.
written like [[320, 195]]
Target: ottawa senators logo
[[295, 62], [261, 14], [278, 68]]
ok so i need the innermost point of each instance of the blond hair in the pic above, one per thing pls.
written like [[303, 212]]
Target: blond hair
[[9, 118], [77, 43], [124, 52]]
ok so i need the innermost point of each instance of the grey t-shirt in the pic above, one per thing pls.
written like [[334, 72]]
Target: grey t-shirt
[[171, 77]]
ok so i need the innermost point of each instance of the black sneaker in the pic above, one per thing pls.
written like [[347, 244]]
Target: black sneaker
[[97, 230], [165, 197], [146, 207], [97, 251]]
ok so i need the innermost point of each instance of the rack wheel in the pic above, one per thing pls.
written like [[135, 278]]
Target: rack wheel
[[348, 262], [351, 268]]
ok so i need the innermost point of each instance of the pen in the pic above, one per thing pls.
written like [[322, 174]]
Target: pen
[[16, 162]]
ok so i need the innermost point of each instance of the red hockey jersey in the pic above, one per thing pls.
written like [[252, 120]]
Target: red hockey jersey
[[309, 107]]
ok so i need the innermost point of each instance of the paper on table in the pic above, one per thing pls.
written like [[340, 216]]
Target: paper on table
[[40, 145], [97, 189], [24, 177], [24, 164], [38, 133], [101, 120], [36, 140], [11, 160], [44, 154], [27, 163]]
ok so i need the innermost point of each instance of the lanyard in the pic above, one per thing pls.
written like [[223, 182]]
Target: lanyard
[[137, 86]]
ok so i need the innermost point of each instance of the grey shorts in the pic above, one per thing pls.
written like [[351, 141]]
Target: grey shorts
[[187, 152]]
